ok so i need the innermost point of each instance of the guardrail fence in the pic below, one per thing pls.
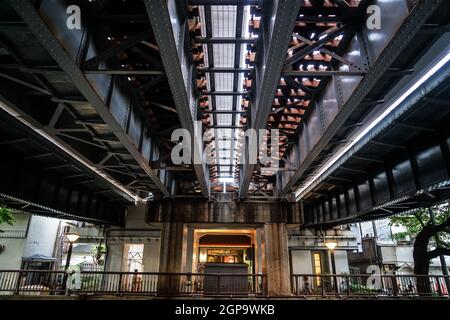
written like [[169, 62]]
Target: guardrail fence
[[40, 282], [371, 285], [31, 282]]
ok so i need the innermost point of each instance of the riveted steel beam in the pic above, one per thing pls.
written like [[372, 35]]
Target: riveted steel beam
[[47, 38], [281, 19], [405, 35], [225, 40], [30, 179], [330, 73], [224, 2], [170, 28], [224, 70], [411, 177], [124, 45], [224, 93]]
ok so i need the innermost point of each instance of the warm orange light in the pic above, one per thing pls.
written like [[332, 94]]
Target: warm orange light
[[72, 236], [331, 244]]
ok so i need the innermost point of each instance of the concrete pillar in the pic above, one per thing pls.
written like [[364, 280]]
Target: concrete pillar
[[277, 259], [171, 257], [189, 249], [115, 257]]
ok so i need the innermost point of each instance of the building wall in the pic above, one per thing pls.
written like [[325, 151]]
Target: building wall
[[151, 256], [41, 236], [302, 243], [341, 261], [396, 254], [13, 238], [384, 230], [11, 258], [136, 231], [402, 255], [117, 260], [40, 232], [114, 257], [301, 262], [136, 216]]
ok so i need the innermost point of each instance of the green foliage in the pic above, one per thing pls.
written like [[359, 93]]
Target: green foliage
[[414, 223], [360, 288], [98, 253], [6, 216]]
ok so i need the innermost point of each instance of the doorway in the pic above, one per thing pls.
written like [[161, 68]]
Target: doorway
[[224, 248], [224, 259]]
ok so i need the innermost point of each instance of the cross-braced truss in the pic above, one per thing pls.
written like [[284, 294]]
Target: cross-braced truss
[[112, 93]]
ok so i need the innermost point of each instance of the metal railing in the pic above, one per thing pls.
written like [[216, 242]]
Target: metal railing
[[370, 285], [13, 234], [34, 282], [40, 282]]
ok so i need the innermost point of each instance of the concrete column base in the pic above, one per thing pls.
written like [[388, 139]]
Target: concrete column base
[[171, 257], [277, 259]]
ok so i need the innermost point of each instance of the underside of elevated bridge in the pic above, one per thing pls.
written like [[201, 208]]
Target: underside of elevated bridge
[[352, 94]]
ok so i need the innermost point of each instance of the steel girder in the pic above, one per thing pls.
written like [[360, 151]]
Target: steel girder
[[128, 43], [236, 85], [307, 156], [279, 23], [224, 70], [333, 33], [330, 46], [224, 2], [322, 73], [401, 164], [170, 29], [34, 126], [208, 28], [225, 40], [47, 118], [37, 177], [61, 49]]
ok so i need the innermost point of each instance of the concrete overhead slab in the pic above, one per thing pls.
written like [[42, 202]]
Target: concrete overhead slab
[[204, 211]]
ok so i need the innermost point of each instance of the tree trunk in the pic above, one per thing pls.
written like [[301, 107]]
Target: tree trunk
[[422, 261], [422, 256]]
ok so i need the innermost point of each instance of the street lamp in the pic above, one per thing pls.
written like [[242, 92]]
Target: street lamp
[[71, 237], [331, 245]]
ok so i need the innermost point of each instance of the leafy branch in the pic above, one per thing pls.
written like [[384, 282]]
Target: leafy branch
[[420, 220], [6, 216], [98, 254]]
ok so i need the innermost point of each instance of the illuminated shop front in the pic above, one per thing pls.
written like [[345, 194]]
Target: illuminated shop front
[[223, 248]]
